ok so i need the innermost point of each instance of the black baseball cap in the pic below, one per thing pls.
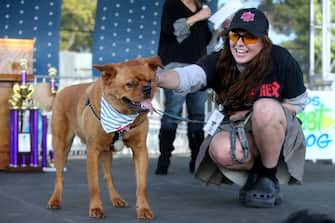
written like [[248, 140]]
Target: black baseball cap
[[251, 20]]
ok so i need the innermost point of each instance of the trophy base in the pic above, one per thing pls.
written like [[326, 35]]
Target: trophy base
[[51, 169], [21, 169]]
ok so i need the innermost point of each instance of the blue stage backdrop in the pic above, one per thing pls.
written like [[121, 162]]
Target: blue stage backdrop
[[127, 29], [34, 19]]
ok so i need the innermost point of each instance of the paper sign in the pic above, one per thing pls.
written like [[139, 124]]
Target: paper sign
[[224, 12], [24, 142], [213, 122], [318, 121]]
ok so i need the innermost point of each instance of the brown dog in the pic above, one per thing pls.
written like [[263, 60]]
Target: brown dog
[[76, 110]]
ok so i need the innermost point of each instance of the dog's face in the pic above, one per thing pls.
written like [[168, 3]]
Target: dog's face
[[130, 86]]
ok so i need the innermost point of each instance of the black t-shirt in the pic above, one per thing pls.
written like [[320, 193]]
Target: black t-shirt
[[190, 49], [284, 81]]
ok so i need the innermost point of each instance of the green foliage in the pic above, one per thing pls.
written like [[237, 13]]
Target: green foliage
[[293, 16], [77, 24]]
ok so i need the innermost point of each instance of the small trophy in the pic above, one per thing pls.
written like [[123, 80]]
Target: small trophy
[[48, 156]]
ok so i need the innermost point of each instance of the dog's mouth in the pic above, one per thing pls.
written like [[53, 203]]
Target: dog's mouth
[[140, 107]]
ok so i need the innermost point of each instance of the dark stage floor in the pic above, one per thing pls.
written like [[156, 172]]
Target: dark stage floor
[[175, 198]]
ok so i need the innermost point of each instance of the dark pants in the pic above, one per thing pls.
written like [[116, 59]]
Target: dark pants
[[195, 104]]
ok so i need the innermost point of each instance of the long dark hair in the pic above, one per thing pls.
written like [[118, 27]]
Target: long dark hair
[[239, 92]]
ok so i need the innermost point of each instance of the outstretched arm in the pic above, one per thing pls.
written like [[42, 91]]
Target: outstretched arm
[[168, 79], [183, 80]]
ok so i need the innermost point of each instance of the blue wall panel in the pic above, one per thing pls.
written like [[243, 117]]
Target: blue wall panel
[[34, 19], [127, 29]]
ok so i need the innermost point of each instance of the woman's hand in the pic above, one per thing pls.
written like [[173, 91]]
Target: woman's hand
[[238, 115], [203, 14], [167, 79], [290, 107]]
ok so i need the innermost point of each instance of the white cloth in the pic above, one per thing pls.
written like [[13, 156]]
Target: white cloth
[[112, 120], [299, 103], [224, 12], [191, 79], [181, 29]]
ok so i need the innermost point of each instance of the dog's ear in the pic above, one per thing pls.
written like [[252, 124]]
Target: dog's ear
[[154, 62], [99, 67], [106, 71]]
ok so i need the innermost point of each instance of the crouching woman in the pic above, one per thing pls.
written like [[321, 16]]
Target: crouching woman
[[258, 142]]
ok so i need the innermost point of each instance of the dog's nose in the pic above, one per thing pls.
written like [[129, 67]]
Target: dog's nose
[[146, 89]]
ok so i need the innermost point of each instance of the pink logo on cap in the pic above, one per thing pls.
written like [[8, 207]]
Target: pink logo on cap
[[247, 16]]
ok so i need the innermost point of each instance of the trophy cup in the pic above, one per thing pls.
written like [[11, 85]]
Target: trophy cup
[[23, 125]]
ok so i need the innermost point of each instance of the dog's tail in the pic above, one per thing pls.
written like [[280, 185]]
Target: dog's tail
[[43, 96]]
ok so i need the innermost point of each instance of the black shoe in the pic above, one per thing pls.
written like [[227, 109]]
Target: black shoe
[[166, 139], [194, 140], [161, 171], [163, 164], [265, 193], [191, 166], [251, 180]]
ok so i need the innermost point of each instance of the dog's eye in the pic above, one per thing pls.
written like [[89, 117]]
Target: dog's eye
[[130, 84]]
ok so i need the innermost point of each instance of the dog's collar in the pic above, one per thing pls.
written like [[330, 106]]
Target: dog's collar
[[117, 143], [89, 104]]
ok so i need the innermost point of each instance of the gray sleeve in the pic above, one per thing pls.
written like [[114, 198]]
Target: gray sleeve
[[181, 29], [191, 79], [299, 102]]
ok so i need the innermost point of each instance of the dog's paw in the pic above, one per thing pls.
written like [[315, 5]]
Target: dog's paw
[[96, 213], [54, 204], [119, 202], [144, 213]]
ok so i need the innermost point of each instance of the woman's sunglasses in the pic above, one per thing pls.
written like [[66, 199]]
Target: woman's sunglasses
[[246, 38]]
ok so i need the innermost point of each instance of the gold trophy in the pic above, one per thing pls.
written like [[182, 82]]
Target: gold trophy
[[21, 98]]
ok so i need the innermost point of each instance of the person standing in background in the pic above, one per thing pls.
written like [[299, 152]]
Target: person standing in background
[[184, 37]]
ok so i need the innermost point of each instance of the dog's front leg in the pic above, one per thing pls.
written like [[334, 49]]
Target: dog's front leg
[[114, 196], [95, 209], [140, 157]]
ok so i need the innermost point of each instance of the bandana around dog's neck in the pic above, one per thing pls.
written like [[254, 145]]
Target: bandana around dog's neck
[[112, 120]]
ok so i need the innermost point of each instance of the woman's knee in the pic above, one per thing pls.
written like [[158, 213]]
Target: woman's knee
[[267, 111], [219, 151]]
